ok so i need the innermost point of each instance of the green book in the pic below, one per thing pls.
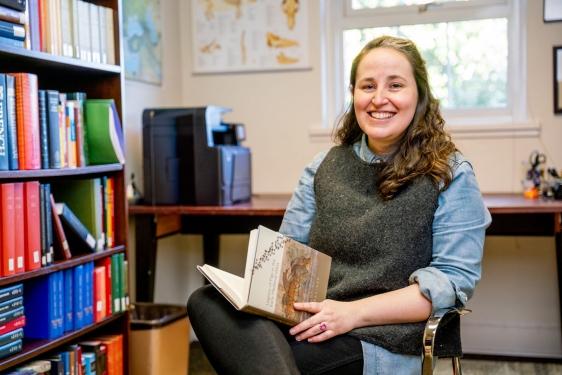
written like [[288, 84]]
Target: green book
[[116, 283], [83, 197], [105, 135]]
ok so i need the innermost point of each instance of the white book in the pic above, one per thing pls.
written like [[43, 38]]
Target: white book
[[103, 36], [66, 28], [75, 22], [110, 36], [84, 31], [279, 271], [95, 33]]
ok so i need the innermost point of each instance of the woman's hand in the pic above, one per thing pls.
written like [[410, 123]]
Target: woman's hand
[[331, 318]]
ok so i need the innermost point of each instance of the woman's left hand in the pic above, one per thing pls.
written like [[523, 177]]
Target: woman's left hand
[[331, 318]]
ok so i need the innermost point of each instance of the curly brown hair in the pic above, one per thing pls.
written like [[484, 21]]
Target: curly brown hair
[[424, 149]]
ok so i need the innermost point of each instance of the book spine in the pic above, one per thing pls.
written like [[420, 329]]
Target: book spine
[[11, 336], [14, 4], [11, 292], [10, 305], [80, 97], [11, 42], [111, 212], [76, 225], [110, 36], [106, 262], [94, 33], [53, 129], [34, 25], [4, 165], [80, 161], [49, 225], [44, 140], [124, 272], [19, 223], [7, 229], [68, 301], [115, 284], [12, 15], [10, 349], [11, 315], [66, 28], [12, 30], [39, 366], [43, 227], [14, 324], [12, 133], [60, 302], [78, 310], [32, 225], [70, 134], [102, 34], [89, 293]]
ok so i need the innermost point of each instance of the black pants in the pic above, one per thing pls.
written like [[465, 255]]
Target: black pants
[[240, 343]]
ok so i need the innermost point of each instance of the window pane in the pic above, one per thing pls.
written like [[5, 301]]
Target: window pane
[[466, 61], [369, 4]]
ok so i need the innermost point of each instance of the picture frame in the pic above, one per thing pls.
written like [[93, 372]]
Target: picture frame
[[557, 78], [552, 11]]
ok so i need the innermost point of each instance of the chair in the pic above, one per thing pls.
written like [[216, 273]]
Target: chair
[[440, 318]]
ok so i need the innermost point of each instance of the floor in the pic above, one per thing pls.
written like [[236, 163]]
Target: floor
[[199, 365]]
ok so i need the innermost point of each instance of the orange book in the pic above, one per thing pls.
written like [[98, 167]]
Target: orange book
[[27, 120], [19, 243], [110, 211], [99, 293], [80, 162], [32, 225], [108, 295], [70, 134], [114, 353], [7, 235]]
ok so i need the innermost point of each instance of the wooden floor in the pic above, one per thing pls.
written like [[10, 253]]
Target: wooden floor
[[199, 365]]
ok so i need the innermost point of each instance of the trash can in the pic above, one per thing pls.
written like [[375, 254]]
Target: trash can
[[159, 342]]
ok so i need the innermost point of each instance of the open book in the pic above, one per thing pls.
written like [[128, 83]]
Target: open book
[[279, 271]]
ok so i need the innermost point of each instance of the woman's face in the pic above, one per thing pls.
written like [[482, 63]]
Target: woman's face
[[384, 97]]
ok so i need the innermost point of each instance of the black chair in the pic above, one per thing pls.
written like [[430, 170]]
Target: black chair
[[440, 318]]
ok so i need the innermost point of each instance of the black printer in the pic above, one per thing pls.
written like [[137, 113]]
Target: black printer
[[192, 158]]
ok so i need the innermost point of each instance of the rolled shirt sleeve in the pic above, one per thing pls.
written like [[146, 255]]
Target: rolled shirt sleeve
[[459, 228]]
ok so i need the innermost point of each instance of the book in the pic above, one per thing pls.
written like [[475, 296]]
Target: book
[[95, 34], [74, 26], [76, 226], [11, 315], [61, 244], [79, 132], [9, 337], [49, 225], [68, 275], [57, 365], [100, 301], [80, 98], [41, 303], [12, 15], [11, 126], [11, 42], [66, 28], [124, 273], [54, 132], [114, 345], [4, 164], [78, 297], [34, 25], [105, 135], [110, 212], [94, 347], [84, 31], [12, 30], [115, 283], [39, 366], [14, 4], [7, 230], [11, 292], [102, 34], [89, 364], [43, 227], [110, 35], [64, 130], [27, 119], [32, 223], [70, 133], [279, 271], [19, 225], [10, 348], [10, 305], [59, 314], [106, 263], [43, 129], [12, 325]]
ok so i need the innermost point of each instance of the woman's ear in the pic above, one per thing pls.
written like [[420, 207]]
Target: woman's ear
[[351, 87]]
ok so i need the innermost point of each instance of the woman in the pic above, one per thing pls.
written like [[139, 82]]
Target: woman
[[401, 214]]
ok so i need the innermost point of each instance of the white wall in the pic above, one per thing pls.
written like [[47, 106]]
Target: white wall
[[516, 308]]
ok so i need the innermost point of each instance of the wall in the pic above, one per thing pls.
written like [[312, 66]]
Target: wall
[[516, 308]]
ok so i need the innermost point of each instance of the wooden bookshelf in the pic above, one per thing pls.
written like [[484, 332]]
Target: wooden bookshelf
[[67, 74]]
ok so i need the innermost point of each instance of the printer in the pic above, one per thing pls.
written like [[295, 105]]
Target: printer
[[192, 158]]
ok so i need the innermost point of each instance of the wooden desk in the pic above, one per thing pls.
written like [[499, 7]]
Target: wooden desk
[[511, 215]]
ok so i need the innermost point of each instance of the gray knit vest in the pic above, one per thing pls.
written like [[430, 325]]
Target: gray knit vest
[[375, 245]]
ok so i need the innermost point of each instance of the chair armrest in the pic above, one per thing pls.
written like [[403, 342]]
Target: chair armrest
[[440, 316]]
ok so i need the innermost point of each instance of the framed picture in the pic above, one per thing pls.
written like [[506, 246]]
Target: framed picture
[[557, 52], [552, 10]]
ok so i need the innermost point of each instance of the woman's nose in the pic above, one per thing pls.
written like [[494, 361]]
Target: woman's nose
[[379, 98]]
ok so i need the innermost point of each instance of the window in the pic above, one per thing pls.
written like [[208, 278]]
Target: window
[[474, 50]]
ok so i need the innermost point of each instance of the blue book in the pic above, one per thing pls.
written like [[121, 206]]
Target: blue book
[[11, 336], [11, 292], [12, 30], [89, 362], [40, 303], [11, 315], [12, 129], [53, 128], [60, 294], [78, 317], [33, 11], [89, 293], [4, 166], [49, 226], [65, 356], [68, 299], [10, 349], [43, 139], [11, 42]]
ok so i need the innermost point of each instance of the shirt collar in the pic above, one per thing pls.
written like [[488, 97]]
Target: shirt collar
[[362, 149]]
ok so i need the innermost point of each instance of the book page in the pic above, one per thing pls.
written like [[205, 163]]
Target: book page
[[250, 263], [229, 285]]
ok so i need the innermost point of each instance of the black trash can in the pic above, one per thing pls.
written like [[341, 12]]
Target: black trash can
[[159, 341]]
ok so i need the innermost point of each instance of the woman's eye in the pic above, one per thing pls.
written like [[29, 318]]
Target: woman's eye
[[368, 87], [395, 85]]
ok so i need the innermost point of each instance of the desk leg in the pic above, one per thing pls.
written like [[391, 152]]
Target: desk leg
[[145, 257]]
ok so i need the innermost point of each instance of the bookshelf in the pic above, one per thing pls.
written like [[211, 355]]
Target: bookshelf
[[67, 74]]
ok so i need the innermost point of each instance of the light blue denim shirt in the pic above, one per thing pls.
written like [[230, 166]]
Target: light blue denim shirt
[[459, 226]]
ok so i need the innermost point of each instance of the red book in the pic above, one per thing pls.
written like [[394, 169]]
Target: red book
[[79, 353], [11, 325], [32, 225], [99, 293], [19, 243], [61, 244], [27, 120], [7, 235]]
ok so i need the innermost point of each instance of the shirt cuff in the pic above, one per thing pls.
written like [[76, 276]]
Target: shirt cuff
[[437, 288]]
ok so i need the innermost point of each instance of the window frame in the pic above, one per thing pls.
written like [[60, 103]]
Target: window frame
[[338, 15]]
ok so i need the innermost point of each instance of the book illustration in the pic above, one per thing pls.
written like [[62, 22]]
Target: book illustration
[[285, 60], [290, 8], [210, 47], [275, 41]]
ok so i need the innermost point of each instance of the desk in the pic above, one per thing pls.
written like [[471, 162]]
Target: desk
[[511, 215]]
